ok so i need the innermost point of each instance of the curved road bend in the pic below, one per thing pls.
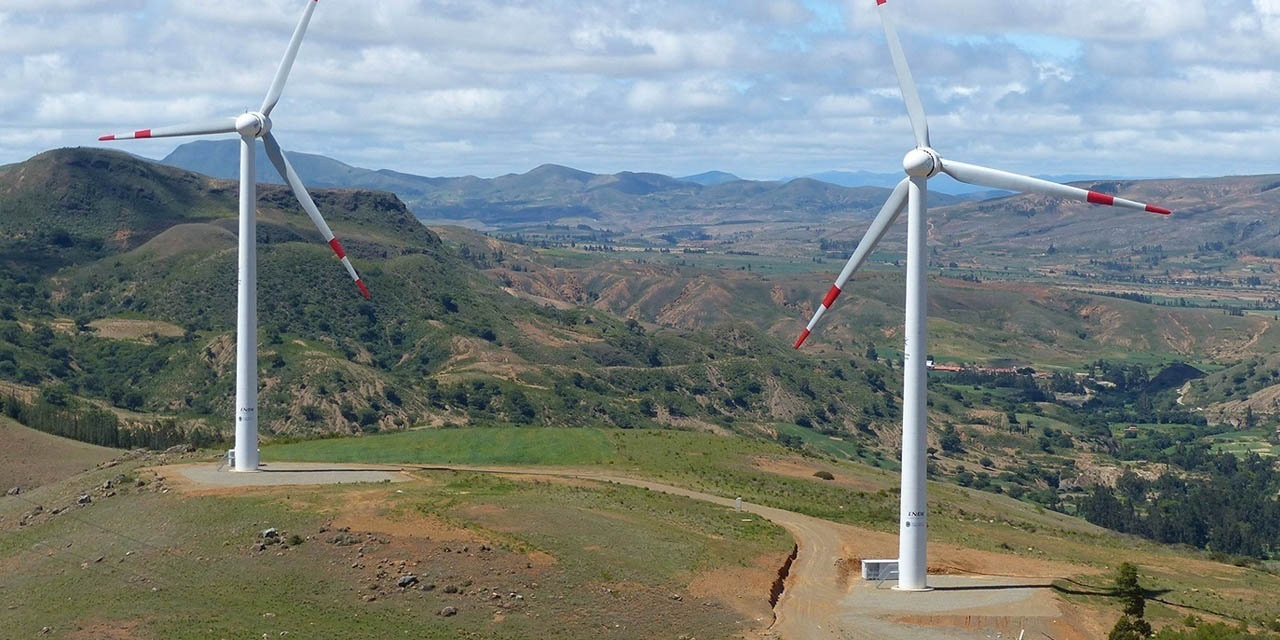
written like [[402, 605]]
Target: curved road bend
[[808, 608]]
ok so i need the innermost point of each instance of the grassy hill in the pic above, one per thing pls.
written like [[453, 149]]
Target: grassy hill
[[1023, 535], [30, 458], [581, 555], [509, 558]]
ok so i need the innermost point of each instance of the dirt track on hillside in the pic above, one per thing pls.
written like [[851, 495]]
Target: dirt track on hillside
[[809, 606]]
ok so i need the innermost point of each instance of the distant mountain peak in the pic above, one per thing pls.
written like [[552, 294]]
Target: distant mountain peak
[[710, 178], [560, 171]]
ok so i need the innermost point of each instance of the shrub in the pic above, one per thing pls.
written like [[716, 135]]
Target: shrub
[[825, 475]]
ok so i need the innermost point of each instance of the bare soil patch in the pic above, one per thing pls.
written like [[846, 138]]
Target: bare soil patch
[[745, 590], [113, 630], [128, 329], [367, 511], [804, 469]]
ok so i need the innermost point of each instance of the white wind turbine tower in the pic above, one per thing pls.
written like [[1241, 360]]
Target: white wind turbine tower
[[920, 164], [250, 126]]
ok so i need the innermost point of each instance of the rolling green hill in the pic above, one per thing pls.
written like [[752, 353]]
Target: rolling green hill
[[440, 342]]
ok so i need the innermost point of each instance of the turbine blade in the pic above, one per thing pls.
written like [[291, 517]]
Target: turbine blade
[[208, 127], [996, 179], [282, 165], [889, 214], [290, 54], [915, 108]]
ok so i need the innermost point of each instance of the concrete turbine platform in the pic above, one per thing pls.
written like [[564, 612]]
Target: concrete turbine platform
[[958, 608], [275, 474]]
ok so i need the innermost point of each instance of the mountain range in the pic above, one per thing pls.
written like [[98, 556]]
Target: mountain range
[[549, 193]]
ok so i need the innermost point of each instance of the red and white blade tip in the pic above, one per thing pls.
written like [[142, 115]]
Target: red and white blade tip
[[136, 135], [803, 336], [1110, 201], [364, 291], [826, 306]]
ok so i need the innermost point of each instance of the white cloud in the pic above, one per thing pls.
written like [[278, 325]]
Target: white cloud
[[759, 87]]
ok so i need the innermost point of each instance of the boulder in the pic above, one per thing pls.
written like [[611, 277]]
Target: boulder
[[407, 581], [269, 534], [13, 492], [449, 612], [85, 499]]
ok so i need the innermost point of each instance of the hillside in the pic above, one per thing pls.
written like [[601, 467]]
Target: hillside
[[1023, 323], [440, 342], [1232, 210]]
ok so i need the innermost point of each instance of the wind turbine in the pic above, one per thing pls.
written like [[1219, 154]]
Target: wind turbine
[[921, 164], [251, 126]]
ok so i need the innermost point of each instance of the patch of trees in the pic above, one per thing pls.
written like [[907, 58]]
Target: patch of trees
[[1229, 505], [57, 414]]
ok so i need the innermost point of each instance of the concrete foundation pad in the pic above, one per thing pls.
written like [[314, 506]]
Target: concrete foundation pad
[[208, 476], [957, 608]]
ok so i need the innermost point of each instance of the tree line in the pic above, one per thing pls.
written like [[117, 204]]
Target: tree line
[[1228, 505], [52, 413]]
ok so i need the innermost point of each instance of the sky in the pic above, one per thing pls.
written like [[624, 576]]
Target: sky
[[760, 88]]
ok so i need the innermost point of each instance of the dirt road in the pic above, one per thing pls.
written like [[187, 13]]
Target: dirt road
[[809, 607]]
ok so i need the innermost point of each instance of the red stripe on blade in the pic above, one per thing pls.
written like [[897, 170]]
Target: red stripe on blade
[[145, 133], [1102, 198], [337, 248], [364, 291], [106, 138], [1160, 210], [880, 2], [831, 297], [804, 336]]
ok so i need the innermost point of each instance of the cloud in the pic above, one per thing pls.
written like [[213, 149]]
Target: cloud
[[763, 88]]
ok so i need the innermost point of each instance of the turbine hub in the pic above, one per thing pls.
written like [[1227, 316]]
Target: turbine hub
[[253, 124], [922, 162]]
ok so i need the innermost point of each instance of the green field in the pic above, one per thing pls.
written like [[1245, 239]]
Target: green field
[[718, 465]]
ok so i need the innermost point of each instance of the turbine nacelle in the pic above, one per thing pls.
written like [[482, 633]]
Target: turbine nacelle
[[253, 125], [922, 162]]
